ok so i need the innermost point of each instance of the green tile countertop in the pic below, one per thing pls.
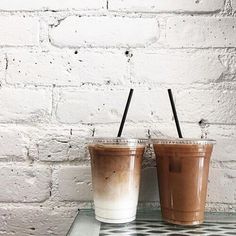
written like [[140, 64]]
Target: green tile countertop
[[150, 223]]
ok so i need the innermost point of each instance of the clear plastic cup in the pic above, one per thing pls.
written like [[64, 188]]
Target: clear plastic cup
[[116, 171], [182, 168]]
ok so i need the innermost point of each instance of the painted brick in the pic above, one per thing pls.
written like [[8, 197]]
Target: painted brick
[[59, 145], [225, 181], [201, 32], [75, 183], [130, 130], [19, 31], [225, 149], [212, 105], [166, 5], [12, 144], [26, 221], [170, 66], [24, 105], [221, 133], [28, 5], [234, 5], [107, 106], [2, 67], [149, 185], [24, 184], [105, 32], [67, 68], [225, 136]]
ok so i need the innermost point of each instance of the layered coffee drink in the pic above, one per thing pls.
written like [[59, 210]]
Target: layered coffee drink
[[116, 171], [182, 168]]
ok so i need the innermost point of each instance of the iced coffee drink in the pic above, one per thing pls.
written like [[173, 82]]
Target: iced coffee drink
[[182, 168], [116, 171]]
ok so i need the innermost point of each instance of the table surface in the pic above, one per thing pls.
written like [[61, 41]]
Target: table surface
[[150, 223]]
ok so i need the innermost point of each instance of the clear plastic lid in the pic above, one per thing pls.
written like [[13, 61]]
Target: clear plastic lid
[[184, 141], [117, 141]]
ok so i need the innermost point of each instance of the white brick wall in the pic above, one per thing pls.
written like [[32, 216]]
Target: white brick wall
[[66, 68], [2, 67], [105, 32], [234, 5], [201, 32], [65, 71], [75, 183], [222, 180], [216, 105], [161, 68], [166, 5], [225, 149], [58, 145], [28, 5], [24, 184], [19, 31], [24, 104], [109, 108], [12, 144], [42, 221]]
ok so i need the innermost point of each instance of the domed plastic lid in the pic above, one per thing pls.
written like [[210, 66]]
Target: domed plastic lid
[[184, 141]]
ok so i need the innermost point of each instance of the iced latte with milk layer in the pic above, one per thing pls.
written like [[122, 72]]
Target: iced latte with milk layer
[[116, 171]]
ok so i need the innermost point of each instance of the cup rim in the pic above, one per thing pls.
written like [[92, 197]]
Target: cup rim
[[120, 140], [183, 141]]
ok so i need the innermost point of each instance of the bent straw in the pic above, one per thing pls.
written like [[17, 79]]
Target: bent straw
[[125, 113], [174, 113]]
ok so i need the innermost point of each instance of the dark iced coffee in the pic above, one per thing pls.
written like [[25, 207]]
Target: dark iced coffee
[[116, 171], [182, 168]]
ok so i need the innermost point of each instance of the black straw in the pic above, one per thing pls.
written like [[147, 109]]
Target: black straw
[[175, 113], [125, 113]]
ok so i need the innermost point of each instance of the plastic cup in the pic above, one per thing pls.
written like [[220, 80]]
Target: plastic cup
[[182, 169], [116, 171]]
